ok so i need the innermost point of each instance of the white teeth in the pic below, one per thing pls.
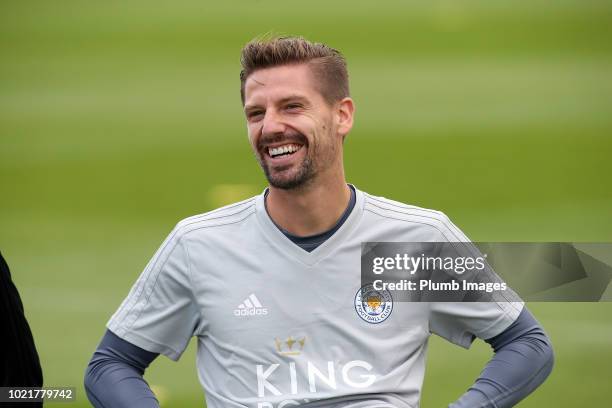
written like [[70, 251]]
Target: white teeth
[[275, 151]]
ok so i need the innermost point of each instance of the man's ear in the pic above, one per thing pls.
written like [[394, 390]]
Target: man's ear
[[345, 110]]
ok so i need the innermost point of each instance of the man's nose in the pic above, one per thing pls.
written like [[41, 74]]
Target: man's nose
[[272, 123]]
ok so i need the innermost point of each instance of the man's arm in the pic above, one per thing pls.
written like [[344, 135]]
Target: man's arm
[[522, 361], [113, 378], [159, 315]]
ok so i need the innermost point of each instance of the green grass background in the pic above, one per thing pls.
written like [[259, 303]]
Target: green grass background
[[119, 118]]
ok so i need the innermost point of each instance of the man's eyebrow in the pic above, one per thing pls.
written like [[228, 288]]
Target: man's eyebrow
[[290, 98], [250, 107], [296, 97]]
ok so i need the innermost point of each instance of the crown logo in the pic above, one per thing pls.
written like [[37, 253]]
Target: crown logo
[[290, 347]]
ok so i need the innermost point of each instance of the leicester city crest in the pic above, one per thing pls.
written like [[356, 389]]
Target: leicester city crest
[[373, 306]]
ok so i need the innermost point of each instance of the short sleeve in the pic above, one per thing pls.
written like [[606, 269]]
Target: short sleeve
[[462, 322], [160, 313]]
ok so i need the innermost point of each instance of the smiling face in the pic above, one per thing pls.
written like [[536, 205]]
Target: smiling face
[[296, 135]]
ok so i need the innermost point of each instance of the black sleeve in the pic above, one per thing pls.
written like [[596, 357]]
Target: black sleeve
[[522, 361], [113, 378], [19, 362]]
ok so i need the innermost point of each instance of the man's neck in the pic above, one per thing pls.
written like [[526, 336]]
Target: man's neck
[[310, 210]]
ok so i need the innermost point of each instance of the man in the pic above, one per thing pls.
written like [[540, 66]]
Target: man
[[268, 285]]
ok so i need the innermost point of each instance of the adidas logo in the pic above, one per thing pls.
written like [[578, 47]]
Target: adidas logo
[[251, 306]]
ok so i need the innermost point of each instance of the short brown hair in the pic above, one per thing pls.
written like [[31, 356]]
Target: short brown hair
[[327, 64]]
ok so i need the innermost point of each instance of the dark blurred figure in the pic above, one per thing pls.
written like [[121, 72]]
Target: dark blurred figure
[[19, 362]]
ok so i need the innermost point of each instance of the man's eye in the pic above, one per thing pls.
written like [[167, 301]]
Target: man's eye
[[293, 106], [254, 114]]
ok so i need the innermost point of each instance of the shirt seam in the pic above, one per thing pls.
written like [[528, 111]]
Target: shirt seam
[[191, 282]]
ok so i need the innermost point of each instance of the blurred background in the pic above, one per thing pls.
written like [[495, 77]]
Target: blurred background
[[119, 118]]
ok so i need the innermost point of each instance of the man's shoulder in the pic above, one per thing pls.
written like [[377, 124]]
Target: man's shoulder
[[228, 215], [386, 210], [387, 206]]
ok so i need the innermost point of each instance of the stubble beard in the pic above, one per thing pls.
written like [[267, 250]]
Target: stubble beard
[[298, 178], [318, 157]]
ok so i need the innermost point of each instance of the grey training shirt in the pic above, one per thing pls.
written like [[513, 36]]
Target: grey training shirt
[[276, 325]]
